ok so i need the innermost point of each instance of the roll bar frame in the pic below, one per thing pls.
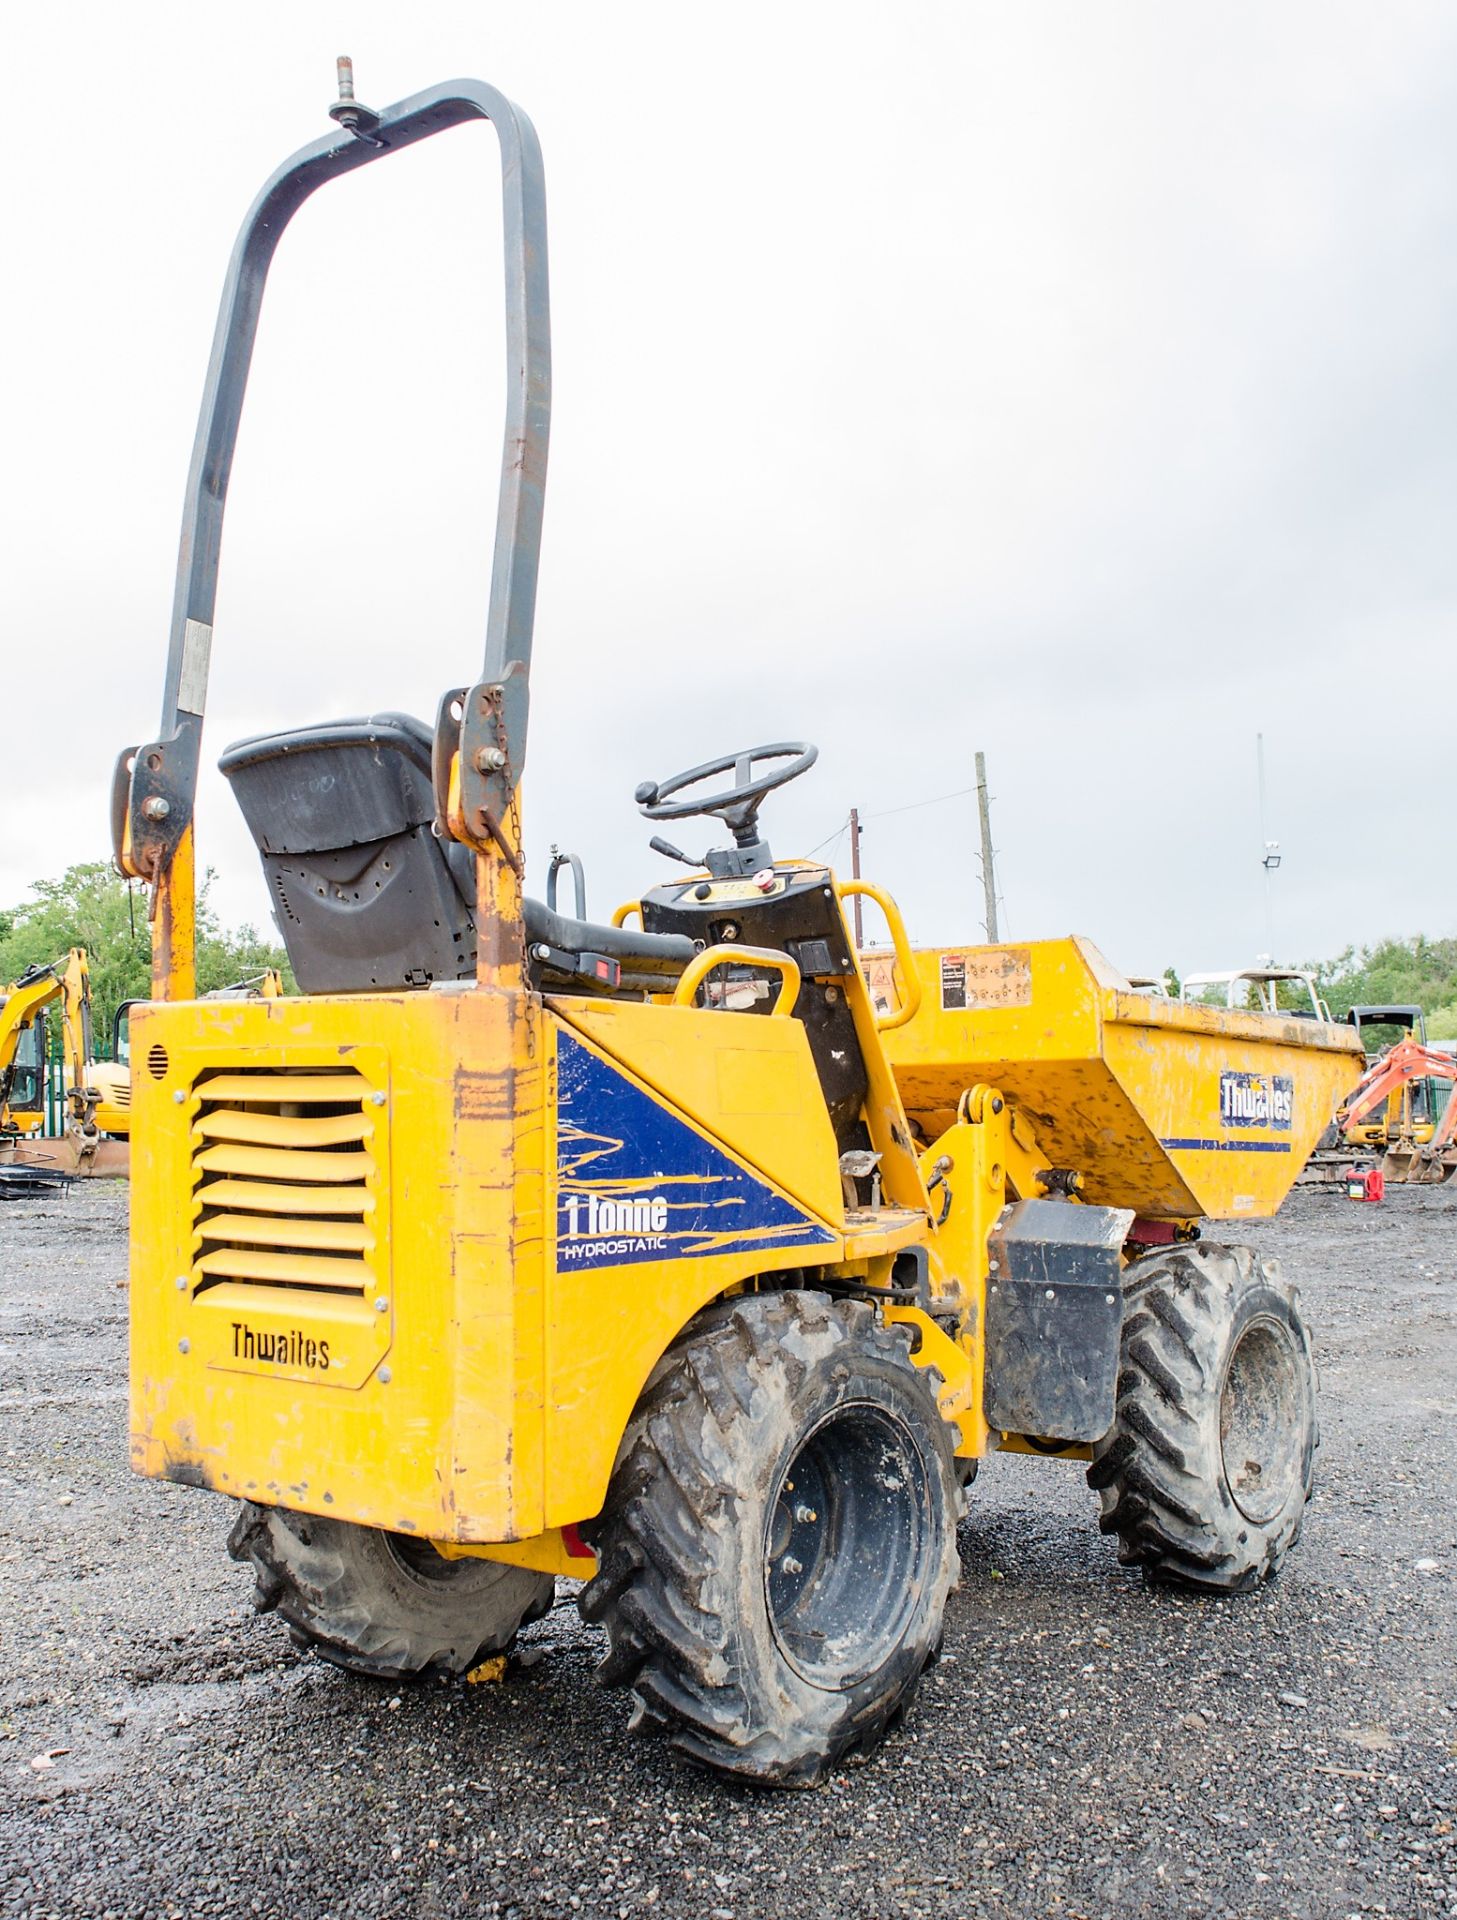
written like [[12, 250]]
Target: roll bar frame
[[155, 784]]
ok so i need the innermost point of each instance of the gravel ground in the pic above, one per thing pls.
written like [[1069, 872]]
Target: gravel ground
[[1085, 1747]]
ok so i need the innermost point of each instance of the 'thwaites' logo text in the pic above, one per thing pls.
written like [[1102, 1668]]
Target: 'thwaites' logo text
[[292, 1348], [1256, 1100]]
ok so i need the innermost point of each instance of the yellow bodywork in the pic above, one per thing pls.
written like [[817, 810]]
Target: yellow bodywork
[[112, 1079], [347, 1289], [1392, 1124], [112, 1082], [356, 1222]]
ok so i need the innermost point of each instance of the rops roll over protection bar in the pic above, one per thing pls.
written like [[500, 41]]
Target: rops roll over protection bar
[[155, 784]]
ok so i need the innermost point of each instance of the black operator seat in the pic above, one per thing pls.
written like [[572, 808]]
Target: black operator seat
[[365, 896]]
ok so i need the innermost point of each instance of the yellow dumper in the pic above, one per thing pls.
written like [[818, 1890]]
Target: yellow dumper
[[517, 1245]]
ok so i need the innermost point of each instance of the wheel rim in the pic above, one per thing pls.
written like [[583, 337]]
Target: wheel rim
[[1262, 1421], [847, 1536], [420, 1560]]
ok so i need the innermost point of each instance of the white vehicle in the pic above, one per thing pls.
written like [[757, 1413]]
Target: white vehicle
[[1257, 990], [1156, 985]]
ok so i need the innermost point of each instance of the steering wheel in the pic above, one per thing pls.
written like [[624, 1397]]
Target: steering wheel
[[735, 805]]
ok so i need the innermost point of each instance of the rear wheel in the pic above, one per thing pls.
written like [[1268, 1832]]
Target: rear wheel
[[382, 1603], [1205, 1474], [779, 1537]]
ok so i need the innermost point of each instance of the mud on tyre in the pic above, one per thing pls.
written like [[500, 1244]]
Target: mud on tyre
[[779, 1537], [382, 1603], [1205, 1474]]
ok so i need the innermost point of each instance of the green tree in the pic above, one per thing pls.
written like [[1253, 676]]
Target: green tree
[[1414, 972], [91, 906]]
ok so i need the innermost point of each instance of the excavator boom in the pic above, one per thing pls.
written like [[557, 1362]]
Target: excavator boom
[[1408, 1158]]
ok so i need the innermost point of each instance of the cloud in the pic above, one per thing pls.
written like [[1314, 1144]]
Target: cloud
[[1072, 383]]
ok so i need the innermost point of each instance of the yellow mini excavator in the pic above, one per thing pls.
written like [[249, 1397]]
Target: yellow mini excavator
[[82, 1147], [658, 1256]]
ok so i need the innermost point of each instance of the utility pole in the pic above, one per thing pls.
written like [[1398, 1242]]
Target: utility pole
[[855, 870], [1269, 857], [988, 872]]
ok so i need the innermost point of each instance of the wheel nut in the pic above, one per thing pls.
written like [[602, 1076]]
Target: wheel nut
[[806, 1516], [790, 1565]]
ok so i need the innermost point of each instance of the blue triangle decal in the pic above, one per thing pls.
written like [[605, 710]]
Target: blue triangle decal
[[635, 1182]]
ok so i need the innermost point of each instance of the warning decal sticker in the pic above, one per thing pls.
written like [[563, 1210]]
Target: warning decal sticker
[[986, 977]]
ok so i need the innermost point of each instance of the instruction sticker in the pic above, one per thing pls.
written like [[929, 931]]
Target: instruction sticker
[[986, 977]]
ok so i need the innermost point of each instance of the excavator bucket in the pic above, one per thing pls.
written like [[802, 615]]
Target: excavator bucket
[[1400, 1161], [1433, 1165], [73, 1154]]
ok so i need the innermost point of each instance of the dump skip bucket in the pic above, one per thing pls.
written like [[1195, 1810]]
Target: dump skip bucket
[[1173, 1109]]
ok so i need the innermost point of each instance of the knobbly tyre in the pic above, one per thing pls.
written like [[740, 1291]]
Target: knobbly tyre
[[660, 1256]]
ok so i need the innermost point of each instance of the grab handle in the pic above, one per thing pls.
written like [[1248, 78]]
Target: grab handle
[[910, 984], [579, 882], [711, 958]]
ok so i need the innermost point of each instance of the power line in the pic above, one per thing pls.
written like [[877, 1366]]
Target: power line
[[911, 806], [833, 834]]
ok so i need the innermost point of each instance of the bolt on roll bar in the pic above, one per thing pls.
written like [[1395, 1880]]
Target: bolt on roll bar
[[155, 784]]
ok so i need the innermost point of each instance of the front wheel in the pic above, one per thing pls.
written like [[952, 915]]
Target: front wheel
[[382, 1603], [1205, 1474], [779, 1537]]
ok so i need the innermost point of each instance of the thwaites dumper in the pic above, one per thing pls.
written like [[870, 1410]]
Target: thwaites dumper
[[660, 1256]]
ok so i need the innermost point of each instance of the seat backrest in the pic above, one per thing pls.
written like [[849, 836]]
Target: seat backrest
[[365, 896]]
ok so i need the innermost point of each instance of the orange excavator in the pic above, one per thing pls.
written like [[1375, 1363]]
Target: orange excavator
[[1409, 1158]]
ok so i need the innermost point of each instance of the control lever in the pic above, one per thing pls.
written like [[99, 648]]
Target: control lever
[[673, 853]]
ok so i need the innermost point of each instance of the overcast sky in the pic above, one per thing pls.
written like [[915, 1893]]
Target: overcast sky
[[1071, 381]]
